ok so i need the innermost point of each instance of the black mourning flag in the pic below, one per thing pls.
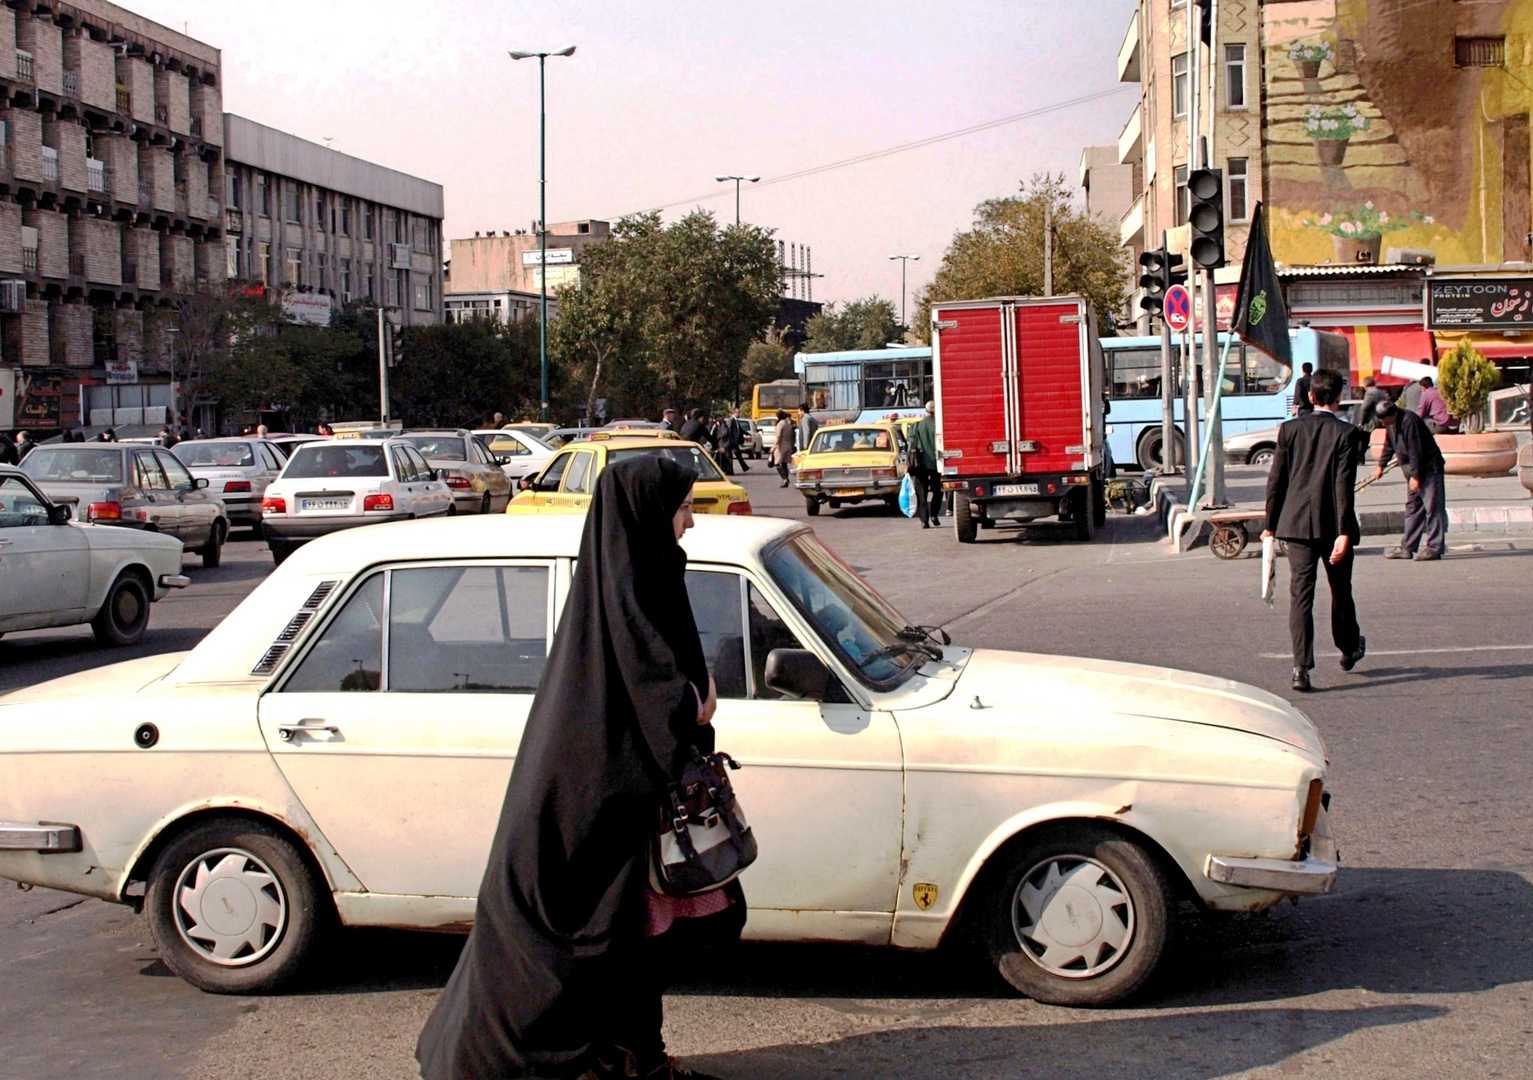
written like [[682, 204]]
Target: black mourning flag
[[1261, 319]]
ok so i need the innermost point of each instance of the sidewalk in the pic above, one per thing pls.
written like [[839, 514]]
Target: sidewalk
[[1497, 504]]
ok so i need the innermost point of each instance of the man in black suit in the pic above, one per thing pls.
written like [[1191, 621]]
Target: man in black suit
[[1309, 506], [1302, 406]]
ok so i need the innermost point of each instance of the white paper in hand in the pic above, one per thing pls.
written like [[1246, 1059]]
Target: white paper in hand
[[1269, 568]]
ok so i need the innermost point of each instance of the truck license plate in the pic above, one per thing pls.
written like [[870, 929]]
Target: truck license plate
[[1016, 489], [325, 504]]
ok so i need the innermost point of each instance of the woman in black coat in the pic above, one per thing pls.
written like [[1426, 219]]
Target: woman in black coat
[[563, 973]]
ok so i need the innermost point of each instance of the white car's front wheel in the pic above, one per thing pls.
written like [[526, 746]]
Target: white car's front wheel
[[234, 907], [1078, 917]]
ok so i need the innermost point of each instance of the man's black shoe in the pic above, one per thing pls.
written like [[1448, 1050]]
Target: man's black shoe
[[1301, 680], [1349, 661]]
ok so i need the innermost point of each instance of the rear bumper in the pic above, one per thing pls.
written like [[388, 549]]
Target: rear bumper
[[49, 838], [243, 509], [289, 528], [876, 489]]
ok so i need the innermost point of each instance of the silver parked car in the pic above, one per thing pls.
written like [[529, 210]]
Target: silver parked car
[[238, 471], [1251, 447], [138, 487], [56, 572]]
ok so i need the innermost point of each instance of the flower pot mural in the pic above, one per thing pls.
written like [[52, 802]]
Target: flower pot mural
[[1357, 249], [1307, 56], [1357, 235], [1331, 151], [1491, 453], [1309, 69], [1332, 128]]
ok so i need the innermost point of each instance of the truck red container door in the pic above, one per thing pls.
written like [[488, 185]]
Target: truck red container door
[[972, 388], [1053, 415]]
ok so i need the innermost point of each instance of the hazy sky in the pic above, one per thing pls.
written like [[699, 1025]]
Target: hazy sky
[[663, 94]]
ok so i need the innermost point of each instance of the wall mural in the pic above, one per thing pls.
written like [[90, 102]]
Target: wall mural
[[1382, 132]]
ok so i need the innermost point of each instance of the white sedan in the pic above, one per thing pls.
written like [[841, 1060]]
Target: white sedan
[[340, 484], [338, 748], [521, 453], [238, 471], [56, 572]]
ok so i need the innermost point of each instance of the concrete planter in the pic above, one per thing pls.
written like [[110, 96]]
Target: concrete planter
[[1331, 151], [1525, 467], [1361, 249], [1491, 453]]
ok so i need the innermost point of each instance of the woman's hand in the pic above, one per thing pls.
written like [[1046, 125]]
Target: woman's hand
[[705, 714]]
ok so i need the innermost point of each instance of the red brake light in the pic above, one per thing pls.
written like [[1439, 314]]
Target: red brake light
[[810, 474], [378, 502], [979, 492], [740, 508], [457, 482], [274, 504], [237, 485], [882, 474], [104, 511]]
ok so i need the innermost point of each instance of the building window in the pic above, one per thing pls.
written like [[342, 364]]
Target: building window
[[1234, 76], [232, 243], [370, 292], [319, 263], [1237, 202], [367, 231], [234, 191], [422, 293], [345, 280], [293, 208], [262, 195], [345, 217], [263, 262], [1479, 51], [319, 211], [1179, 174], [295, 268], [1179, 85]]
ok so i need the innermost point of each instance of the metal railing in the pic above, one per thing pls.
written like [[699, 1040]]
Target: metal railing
[[124, 99], [72, 83], [143, 190], [29, 260], [95, 175], [50, 165], [23, 65]]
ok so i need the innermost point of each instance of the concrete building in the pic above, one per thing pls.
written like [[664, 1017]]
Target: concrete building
[[323, 229], [506, 307], [1107, 184], [110, 172], [509, 262]]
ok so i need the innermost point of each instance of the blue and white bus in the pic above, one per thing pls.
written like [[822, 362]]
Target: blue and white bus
[[1258, 391], [867, 384]]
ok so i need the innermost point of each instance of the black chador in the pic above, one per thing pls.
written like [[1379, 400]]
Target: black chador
[[562, 907]]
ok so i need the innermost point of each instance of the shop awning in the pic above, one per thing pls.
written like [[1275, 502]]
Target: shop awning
[[1370, 344], [1492, 348]]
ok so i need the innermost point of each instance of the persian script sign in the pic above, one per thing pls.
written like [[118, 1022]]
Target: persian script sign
[[1502, 303]]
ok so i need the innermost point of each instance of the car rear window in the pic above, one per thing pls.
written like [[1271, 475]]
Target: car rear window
[[226, 454], [687, 455], [846, 440], [443, 447], [74, 464], [333, 459]]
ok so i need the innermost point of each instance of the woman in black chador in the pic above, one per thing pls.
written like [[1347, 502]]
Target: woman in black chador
[[563, 973]]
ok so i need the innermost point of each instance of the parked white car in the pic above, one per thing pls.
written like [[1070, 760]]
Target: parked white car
[[340, 484], [340, 746], [58, 572], [238, 471], [521, 453]]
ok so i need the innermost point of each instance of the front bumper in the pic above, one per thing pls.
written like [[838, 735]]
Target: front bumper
[[174, 581], [49, 838], [1298, 877], [301, 529]]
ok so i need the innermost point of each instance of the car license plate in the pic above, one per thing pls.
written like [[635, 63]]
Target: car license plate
[[846, 491], [1016, 489], [325, 504]]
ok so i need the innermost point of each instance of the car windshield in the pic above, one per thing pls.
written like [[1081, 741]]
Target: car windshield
[[847, 614], [77, 464], [848, 440], [444, 447], [334, 459], [230, 454], [687, 455]]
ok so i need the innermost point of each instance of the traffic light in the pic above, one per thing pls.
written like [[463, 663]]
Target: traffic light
[[1160, 273], [1205, 194], [396, 346]]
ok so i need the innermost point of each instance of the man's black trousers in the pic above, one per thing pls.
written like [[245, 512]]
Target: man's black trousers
[[1305, 558]]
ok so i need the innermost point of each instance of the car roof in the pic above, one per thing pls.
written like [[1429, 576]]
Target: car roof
[[841, 425], [12, 470], [491, 536]]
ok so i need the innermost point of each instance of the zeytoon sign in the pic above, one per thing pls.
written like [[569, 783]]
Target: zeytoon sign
[[1483, 303]]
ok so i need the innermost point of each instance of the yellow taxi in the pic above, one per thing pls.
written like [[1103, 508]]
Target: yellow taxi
[[566, 483], [852, 463]]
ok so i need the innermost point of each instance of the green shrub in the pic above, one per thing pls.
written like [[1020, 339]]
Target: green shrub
[[1465, 379]]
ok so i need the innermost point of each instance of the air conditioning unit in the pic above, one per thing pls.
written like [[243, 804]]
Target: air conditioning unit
[[13, 297], [1410, 257]]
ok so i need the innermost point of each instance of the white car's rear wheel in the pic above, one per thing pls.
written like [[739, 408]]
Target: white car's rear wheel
[[234, 907], [1079, 917], [124, 614]]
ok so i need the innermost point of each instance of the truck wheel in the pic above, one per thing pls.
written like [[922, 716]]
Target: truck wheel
[[1078, 917], [212, 552], [1149, 451], [812, 507], [124, 613], [963, 520], [1081, 515], [1098, 502], [234, 907]]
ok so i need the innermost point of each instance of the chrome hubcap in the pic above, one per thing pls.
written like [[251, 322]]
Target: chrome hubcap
[[1073, 917], [229, 907], [128, 608]]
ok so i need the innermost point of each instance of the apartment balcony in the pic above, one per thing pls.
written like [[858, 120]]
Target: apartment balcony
[[1131, 226], [77, 265], [143, 191], [130, 273], [24, 66], [1131, 139], [162, 114], [29, 260], [97, 177], [196, 127], [50, 165], [72, 84], [1129, 68], [124, 100]]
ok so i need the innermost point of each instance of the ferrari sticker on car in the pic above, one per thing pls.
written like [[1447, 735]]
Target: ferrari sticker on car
[[925, 894]]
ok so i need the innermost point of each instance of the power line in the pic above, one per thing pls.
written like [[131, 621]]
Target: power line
[[930, 140]]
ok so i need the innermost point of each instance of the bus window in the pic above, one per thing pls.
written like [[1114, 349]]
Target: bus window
[[1135, 373], [1264, 375]]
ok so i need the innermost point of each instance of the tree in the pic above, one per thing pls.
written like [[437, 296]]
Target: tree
[[1465, 379], [1003, 254], [868, 323], [460, 374], [766, 361]]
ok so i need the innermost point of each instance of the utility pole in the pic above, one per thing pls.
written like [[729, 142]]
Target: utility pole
[[1048, 246], [905, 260], [383, 367], [1216, 494]]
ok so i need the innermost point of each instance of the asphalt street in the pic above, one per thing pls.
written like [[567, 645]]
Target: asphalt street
[[1421, 962]]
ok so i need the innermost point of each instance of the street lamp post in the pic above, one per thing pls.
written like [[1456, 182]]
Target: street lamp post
[[737, 179], [543, 214], [905, 261]]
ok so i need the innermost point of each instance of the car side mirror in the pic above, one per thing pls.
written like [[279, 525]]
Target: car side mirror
[[200, 482], [797, 673], [502, 459], [60, 514]]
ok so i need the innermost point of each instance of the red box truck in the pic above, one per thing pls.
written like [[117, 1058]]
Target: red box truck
[[1020, 405]]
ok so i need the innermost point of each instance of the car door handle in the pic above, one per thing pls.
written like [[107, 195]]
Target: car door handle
[[288, 732]]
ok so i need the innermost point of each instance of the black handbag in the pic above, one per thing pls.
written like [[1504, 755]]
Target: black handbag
[[702, 841]]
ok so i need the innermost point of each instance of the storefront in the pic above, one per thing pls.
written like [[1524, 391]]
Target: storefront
[[1495, 312], [1378, 309]]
